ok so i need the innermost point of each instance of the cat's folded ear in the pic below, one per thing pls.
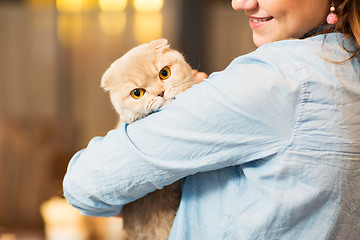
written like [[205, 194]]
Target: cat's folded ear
[[159, 44], [106, 80]]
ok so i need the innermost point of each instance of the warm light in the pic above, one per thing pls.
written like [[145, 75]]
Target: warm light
[[112, 5], [113, 24], [62, 221], [74, 6], [69, 5], [147, 27], [148, 5], [69, 29]]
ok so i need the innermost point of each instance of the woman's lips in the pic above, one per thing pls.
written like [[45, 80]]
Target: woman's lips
[[256, 22], [257, 19]]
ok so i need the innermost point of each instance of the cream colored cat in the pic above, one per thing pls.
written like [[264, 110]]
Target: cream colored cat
[[146, 78]]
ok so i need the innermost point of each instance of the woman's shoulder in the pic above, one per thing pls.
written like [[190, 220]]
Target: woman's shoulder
[[322, 47], [313, 54]]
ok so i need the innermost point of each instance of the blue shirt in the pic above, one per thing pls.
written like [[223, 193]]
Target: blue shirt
[[269, 148]]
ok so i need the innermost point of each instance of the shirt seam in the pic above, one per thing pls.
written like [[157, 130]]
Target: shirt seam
[[304, 93]]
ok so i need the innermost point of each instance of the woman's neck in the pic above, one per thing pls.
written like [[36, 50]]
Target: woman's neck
[[323, 28]]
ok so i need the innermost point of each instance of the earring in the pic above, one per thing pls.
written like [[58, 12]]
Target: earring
[[332, 18]]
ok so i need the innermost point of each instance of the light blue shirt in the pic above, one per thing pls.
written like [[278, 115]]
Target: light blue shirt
[[269, 148]]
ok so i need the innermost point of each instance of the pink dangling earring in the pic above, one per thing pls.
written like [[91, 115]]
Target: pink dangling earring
[[332, 18]]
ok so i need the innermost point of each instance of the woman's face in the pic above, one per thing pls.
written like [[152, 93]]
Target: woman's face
[[273, 20]]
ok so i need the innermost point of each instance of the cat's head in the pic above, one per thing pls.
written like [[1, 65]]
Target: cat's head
[[145, 79]]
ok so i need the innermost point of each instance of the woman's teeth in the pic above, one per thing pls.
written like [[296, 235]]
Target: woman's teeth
[[261, 19]]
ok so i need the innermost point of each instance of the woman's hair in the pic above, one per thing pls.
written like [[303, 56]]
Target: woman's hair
[[348, 12]]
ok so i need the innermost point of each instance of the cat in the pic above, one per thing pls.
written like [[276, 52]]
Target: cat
[[143, 80]]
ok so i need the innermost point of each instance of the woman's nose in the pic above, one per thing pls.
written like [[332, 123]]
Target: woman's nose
[[244, 4]]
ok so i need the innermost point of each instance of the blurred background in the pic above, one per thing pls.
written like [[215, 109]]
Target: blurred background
[[52, 56]]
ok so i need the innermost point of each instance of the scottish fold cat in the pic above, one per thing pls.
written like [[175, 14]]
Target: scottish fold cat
[[143, 80]]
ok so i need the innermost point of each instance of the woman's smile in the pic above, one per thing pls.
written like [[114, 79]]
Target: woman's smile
[[256, 22], [274, 20]]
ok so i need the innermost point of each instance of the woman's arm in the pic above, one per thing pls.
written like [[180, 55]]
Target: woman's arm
[[229, 119]]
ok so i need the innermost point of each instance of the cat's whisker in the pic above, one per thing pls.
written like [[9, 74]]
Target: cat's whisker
[[185, 82], [185, 86], [154, 104], [181, 86], [186, 79]]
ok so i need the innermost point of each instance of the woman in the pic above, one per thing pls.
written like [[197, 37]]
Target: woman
[[269, 148]]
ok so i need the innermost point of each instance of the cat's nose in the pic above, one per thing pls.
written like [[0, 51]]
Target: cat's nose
[[161, 94]]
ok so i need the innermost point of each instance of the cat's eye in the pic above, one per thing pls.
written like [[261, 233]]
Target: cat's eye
[[164, 73], [137, 93]]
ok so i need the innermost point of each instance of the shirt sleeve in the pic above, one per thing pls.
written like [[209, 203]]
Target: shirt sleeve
[[241, 114]]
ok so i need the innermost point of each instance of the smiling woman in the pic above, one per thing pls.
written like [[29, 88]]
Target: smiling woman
[[273, 20], [268, 148]]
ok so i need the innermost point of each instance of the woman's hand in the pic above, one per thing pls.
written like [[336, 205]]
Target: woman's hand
[[199, 76]]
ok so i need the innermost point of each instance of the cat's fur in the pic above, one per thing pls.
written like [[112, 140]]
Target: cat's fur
[[150, 217]]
